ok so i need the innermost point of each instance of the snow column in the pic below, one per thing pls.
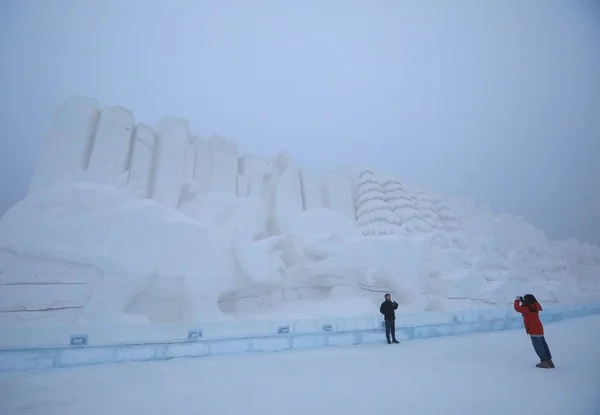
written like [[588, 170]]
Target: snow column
[[171, 145], [190, 161], [337, 194], [252, 168], [289, 174], [65, 149], [142, 159], [287, 202], [111, 145], [288, 198], [202, 163], [312, 195], [224, 165], [242, 186]]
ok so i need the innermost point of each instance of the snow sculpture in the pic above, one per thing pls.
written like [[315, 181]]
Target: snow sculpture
[[66, 148], [312, 192], [125, 223], [224, 165], [253, 169], [202, 164], [189, 166], [109, 157], [373, 214], [172, 144], [259, 261], [405, 206], [141, 162], [287, 200], [337, 194], [242, 186], [123, 240]]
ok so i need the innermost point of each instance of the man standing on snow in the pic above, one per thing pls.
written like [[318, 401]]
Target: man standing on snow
[[389, 315]]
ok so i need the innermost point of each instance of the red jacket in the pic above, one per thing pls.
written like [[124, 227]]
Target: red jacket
[[533, 325]]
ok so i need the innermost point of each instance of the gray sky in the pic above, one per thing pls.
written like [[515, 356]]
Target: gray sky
[[498, 100]]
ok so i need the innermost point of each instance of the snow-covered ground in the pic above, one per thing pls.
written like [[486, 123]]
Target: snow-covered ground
[[475, 374]]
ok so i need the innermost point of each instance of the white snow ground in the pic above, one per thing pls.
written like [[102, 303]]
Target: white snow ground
[[475, 374]]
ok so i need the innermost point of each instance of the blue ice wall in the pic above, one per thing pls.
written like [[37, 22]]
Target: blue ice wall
[[76, 346]]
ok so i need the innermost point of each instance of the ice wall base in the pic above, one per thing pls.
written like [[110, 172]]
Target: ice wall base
[[81, 349]]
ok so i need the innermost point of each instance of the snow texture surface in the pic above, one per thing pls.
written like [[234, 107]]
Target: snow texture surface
[[67, 146], [129, 224], [23, 348], [491, 374]]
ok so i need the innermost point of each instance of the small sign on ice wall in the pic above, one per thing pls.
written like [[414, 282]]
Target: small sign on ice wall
[[283, 329], [328, 327], [194, 334], [79, 340]]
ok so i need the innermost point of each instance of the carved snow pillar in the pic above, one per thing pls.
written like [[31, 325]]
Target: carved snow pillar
[[66, 147]]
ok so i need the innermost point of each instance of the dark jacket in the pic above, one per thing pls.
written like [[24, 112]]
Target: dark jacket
[[387, 309]]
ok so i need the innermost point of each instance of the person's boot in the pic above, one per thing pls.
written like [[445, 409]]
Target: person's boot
[[395, 341], [543, 364], [389, 342], [551, 363]]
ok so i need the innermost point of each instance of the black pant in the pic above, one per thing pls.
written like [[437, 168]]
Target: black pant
[[390, 329]]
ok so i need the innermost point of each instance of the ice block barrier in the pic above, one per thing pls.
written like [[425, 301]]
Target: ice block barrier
[[56, 347]]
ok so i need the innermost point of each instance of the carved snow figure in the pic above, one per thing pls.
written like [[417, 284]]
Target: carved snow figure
[[176, 228], [126, 240], [259, 261], [361, 267]]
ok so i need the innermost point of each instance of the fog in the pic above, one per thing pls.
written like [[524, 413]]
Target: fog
[[495, 100]]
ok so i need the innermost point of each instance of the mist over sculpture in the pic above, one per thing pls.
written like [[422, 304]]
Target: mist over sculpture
[[128, 223]]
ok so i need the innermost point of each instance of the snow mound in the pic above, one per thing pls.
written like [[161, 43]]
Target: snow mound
[[68, 200], [130, 244]]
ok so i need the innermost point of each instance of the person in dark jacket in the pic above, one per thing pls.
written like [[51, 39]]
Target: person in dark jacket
[[529, 307], [388, 309]]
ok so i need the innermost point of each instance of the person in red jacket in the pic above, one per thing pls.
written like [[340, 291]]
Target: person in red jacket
[[530, 308]]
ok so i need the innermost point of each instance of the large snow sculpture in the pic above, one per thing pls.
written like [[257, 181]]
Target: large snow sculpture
[[337, 194], [123, 239], [253, 169], [66, 149], [224, 165], [109, 157], [202, 163], [373, 214], [312, 191], [141, 161], [126, 223], [172, 145]]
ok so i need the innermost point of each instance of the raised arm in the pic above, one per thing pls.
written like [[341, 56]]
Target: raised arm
[[519, 308], [395, 305]]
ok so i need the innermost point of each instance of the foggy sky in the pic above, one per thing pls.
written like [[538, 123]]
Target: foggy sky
[[497, 100]]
